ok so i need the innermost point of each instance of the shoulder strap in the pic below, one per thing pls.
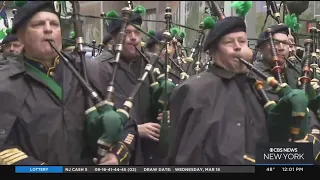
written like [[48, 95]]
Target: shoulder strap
[[52, 85]]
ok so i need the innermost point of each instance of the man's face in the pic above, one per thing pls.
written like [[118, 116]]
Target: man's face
[[231, 47], [179, 47], [12, 48], [133, 38], [170, 49], [291, 41], [282, 49], [41, 27]]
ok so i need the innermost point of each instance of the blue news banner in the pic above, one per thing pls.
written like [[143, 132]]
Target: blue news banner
[[269, 157], [134, 169]]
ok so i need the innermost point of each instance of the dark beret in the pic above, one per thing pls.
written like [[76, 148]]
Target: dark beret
[[279, 28], [9, 38], [106, 38], [115, 24], [25, 12], [223, 27], [152, 41]]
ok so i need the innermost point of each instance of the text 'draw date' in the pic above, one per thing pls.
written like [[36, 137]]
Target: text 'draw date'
[[159, 169]]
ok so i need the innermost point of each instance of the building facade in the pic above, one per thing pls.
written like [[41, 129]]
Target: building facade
[[188, 13]]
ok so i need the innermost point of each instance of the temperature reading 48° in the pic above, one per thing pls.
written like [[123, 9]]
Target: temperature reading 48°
[[270, 169]]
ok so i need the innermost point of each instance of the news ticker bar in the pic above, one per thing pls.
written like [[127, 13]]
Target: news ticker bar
[[167, 169], [134, 169]]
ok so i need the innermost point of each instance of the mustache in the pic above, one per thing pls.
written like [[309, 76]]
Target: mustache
[[48, 39], [133, 44], [12, 54]]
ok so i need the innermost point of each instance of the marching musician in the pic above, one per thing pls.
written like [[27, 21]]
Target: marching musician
[[293, 52], [11, 45], [216, 117], [180, 39], [107, 50], [42, 115], [290, 73], [292, 41], [131, 66], [108, 42], [37, 125], [152, 46]]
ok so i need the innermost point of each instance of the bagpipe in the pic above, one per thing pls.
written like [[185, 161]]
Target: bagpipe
[[208, 23], [311, 59], [169, 56]]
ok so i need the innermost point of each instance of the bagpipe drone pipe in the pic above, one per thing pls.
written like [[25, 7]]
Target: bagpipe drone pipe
[[195, 52]]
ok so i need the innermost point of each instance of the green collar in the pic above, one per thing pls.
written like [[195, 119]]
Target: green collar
[[49, 71]]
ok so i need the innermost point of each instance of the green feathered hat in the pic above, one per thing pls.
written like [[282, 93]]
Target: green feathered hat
[[242, 7], [152, 32], [71, 38], [209, 22], [18, 4], [292, 22], [181, 37], [175, 32]]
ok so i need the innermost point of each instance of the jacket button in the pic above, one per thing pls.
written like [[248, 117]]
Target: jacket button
[[238, 124], [2, 131]]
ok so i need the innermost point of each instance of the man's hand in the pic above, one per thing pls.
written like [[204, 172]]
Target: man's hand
[[149, 130], [160, 116], [109, 159]]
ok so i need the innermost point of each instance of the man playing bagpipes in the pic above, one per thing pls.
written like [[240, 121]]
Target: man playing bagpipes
[[217, 116], [107, 49], [11, 45], [152, 46], [42, 110], [290, 67], [290, 73], [130, 68]]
